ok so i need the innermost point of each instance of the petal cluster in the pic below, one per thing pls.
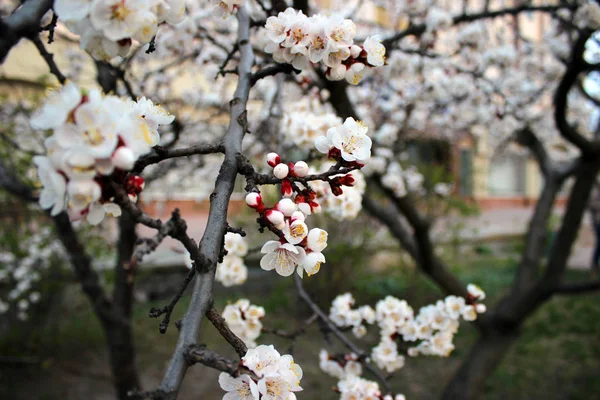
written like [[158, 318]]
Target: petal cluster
[[275, 376], [298, 248], [233, 271], [107, 27], [243, 319], [95, 141], [349, 142], [296, 39]]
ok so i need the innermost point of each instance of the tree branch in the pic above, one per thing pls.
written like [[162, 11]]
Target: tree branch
[[160, 154], [49, 58], [212, 241], [24, 22], [417, 30], [219, 322], [578, 288]]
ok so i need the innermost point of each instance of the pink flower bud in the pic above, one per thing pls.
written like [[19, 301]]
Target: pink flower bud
[[276, 218], [134, 184], [273, 159], [281, 170], [286, 188], [253, 199], [315, 207], [301, 169], [286, 206], [305, 208], [123, 158]]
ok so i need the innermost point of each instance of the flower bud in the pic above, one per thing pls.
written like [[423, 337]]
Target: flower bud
[[480, 308], [133, 197], [286, 188], [273, 159], [253, 199], [123, 158], [134, 184], [281, 171], [276, 218], [301, 169], [355, 51], [286, 206], [305, 208], [315, 207]]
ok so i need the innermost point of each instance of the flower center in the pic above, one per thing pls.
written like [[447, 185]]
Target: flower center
[[351, 144], [297, 231], [318, 43], [119, 11]]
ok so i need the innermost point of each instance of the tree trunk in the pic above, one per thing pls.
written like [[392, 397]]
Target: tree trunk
[[119, 334], [469, 381], [122, 359]]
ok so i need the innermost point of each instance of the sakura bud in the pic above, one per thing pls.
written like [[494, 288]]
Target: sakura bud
[[133, 197], [281, 171], [301, 169], [286, 206], [286, 188], [305, 208], [276, 218], [253, 199], [273, 159], [123, 158], [297, 216], [134, 184], [480, 308], [315, 207], [355, 51]]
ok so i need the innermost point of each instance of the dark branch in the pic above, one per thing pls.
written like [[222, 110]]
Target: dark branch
[[212, 240], [25, 22], [272, 70], [159, 154], [49, 58], [578, 288], [219, 322]]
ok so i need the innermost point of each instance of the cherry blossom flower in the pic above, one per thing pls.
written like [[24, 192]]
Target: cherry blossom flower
[[54, 186], [240, 388], [282, 257]]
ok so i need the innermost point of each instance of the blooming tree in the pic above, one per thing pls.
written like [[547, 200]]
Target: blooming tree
[[330, 100]]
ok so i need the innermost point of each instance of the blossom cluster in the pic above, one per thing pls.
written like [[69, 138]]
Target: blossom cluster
[[342, 314], [433, 328], [296, 39], [20, 270], [348, 141], [305, 121], [348, 370], [274, 376], [107, 27], [95, 141], [243, 319], [341, 206], [232, 271]]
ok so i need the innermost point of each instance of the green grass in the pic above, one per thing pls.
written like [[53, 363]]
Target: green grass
[[557, 355]]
